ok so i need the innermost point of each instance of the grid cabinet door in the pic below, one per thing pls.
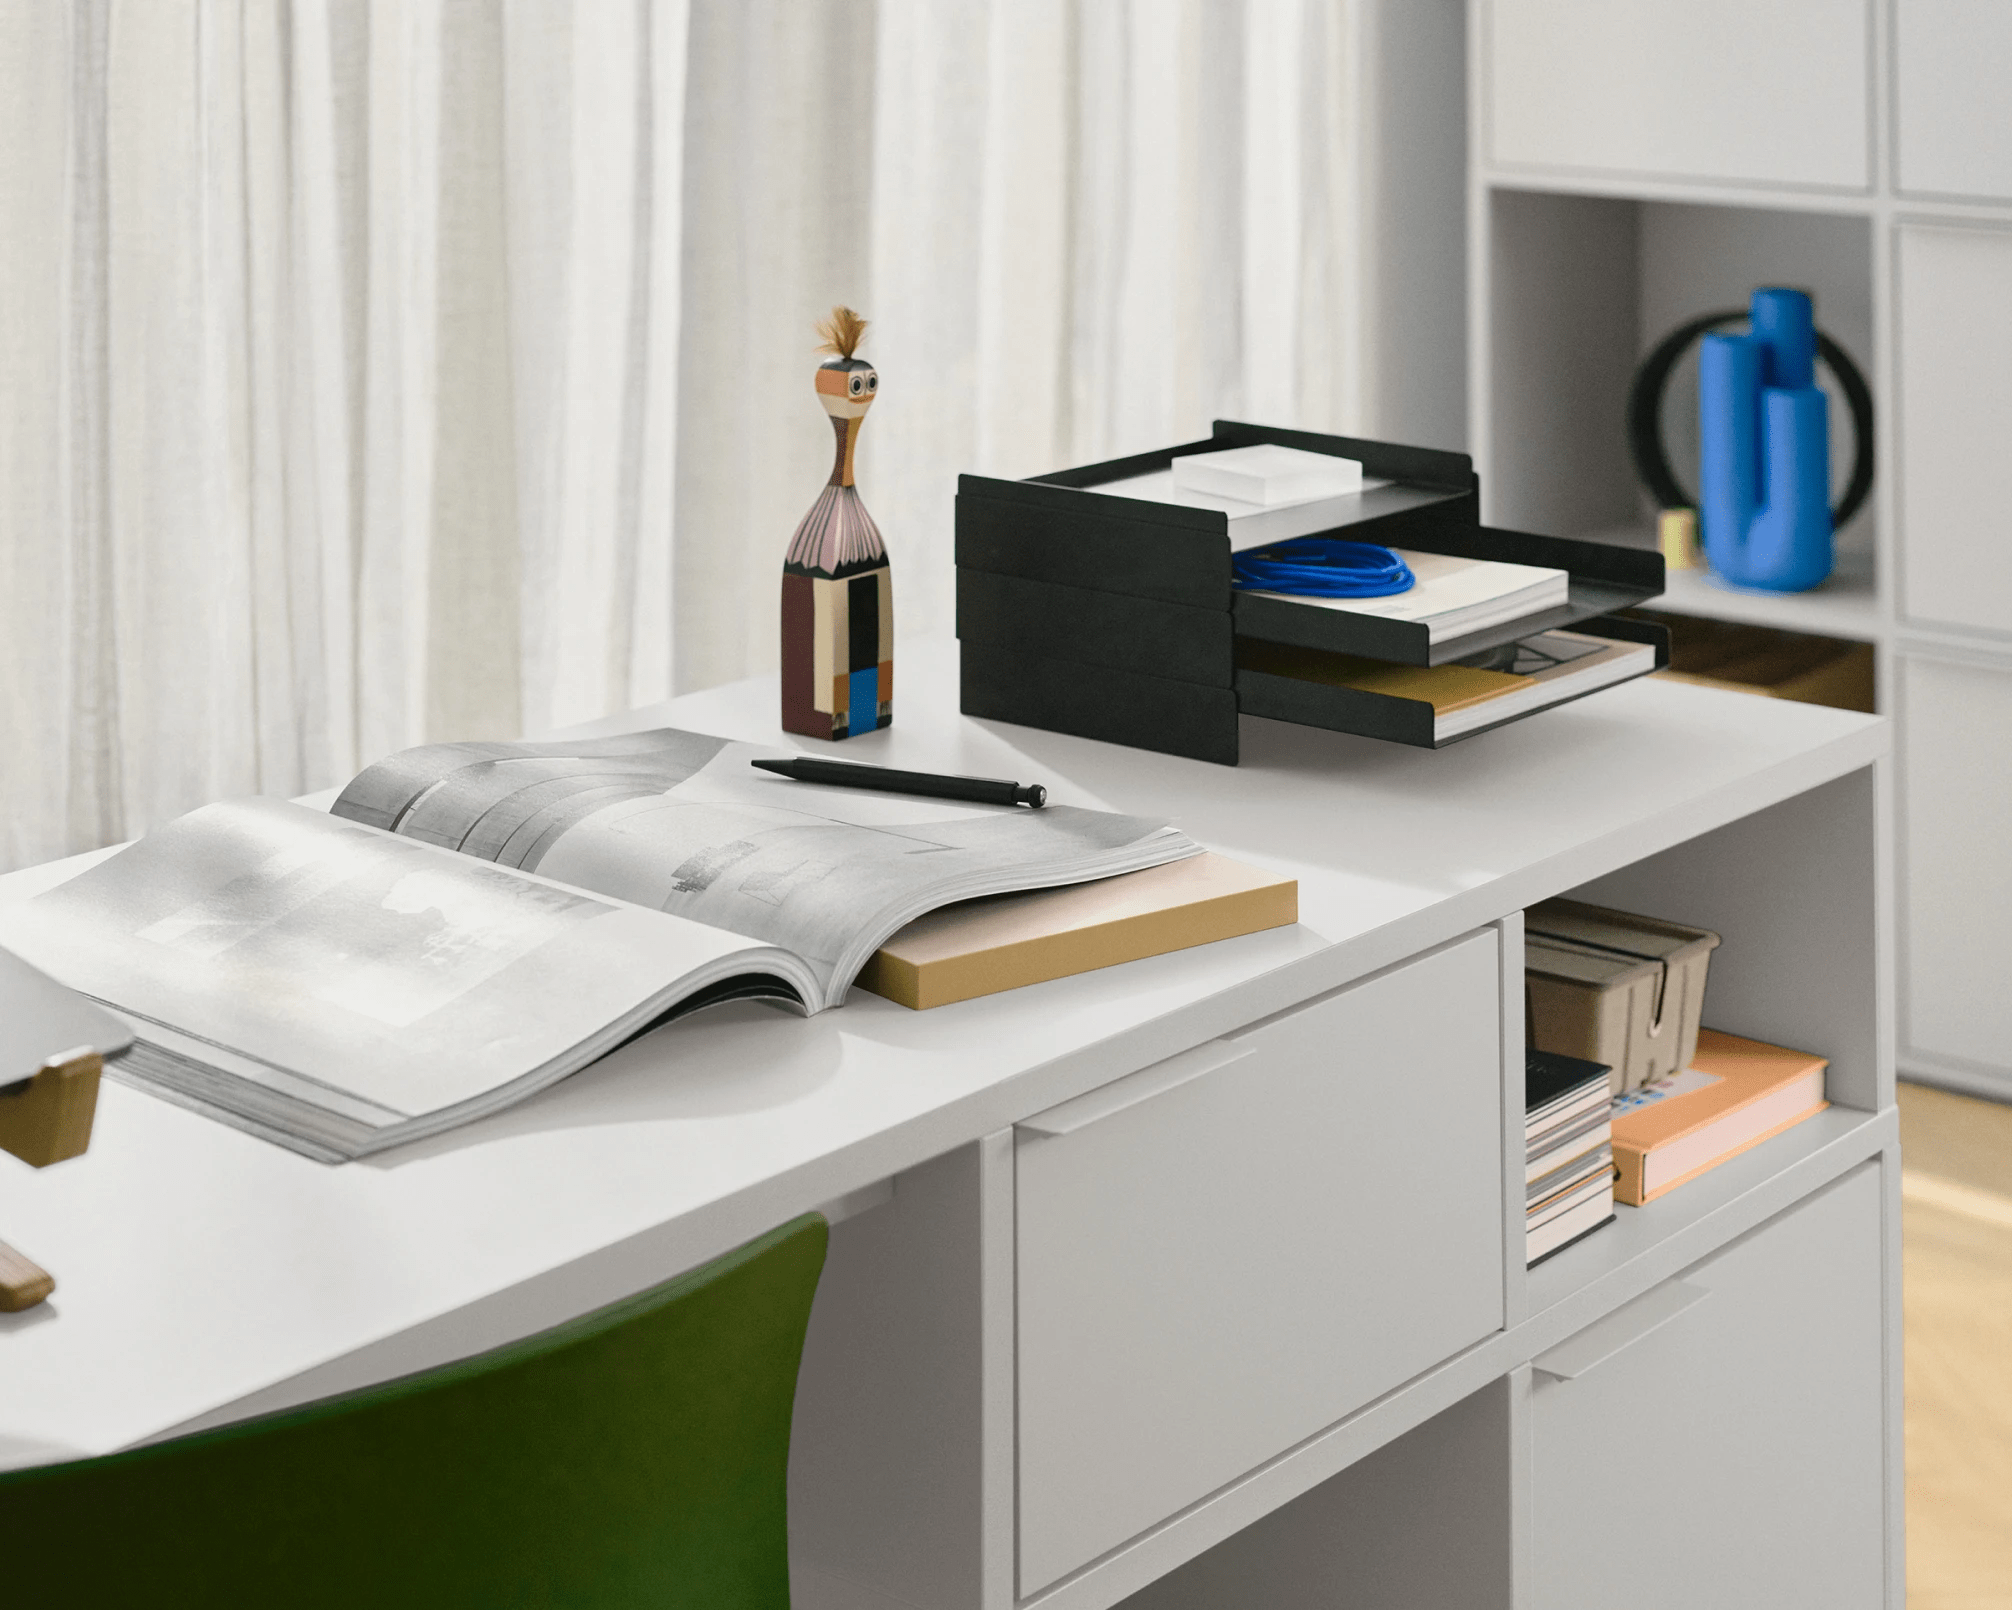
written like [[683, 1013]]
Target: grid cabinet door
[[1954, 366], [1733, 1456], [1726, 91]]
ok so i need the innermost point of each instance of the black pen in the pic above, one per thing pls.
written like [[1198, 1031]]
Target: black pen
[[850, 774]]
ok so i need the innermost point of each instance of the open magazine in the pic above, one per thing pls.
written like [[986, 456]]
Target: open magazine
[[472, 922]]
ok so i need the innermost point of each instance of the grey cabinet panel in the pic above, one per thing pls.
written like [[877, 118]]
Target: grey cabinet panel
[[1241, 1256], [1956, 862], [1754, 91], [1734, 1455], [1949, 87], [1954, 370]]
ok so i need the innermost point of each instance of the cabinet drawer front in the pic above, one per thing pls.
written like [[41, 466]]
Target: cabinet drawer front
[[1214, 1272], [1733, 1454], [1745, 91]]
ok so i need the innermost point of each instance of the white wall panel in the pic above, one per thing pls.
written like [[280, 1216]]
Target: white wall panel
[[1956, 861]]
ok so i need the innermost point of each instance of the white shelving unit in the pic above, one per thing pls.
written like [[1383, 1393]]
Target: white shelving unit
[[1634, 163]]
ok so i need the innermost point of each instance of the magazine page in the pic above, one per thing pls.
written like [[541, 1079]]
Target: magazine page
[[682, 822], [351, 985]]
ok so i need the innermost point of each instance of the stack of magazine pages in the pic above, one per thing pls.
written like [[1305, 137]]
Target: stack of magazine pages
[[475, 921]]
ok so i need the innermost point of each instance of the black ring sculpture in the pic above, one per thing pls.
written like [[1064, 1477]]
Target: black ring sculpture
[[1645, 416]]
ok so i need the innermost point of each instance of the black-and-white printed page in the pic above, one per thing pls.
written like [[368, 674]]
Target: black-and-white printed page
[[682, 823], [354, 982]]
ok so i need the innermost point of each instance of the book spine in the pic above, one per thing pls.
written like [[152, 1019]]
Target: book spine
[[1631, 1175]]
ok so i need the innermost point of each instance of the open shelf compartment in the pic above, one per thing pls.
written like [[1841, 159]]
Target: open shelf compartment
[[1578, 289]]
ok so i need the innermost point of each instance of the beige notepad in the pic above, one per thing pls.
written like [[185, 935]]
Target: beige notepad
[[981, 947]]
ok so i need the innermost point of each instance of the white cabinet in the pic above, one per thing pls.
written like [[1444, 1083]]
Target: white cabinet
[[1222, 1256], [1951, 58], [1731, 1456], [1955, 377], [1753, 91], [1955, 861], [1640, 162]]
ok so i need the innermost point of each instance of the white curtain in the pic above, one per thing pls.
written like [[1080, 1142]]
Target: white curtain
[[377, 371]]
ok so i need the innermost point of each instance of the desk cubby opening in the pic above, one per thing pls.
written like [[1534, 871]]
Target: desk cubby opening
[[1796, 893], [1805, 667], [1423, 1522]]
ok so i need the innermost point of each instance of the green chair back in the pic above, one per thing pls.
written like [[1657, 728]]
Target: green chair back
[[637, 1457]]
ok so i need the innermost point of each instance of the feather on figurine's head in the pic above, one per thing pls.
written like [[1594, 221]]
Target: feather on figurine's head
[[846, 385]]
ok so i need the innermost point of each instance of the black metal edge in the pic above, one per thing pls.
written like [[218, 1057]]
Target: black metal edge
[[1593, 561], [1047, 620], [1654, 633], [1589, 600], [1392, 719], [1354, 711], [1456, 505], [1397, 528], [1542, 710], [1277, 620], [1070, 499], [1429, 467], [1178, 559], [1280, 620], [1120, 469], [1122, 707], [1076, 545], [1386, 461]]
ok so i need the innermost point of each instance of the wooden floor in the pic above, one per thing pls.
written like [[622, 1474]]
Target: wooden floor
[[1956, 1184]]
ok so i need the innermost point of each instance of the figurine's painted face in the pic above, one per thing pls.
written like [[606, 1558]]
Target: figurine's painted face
[[846, 387]]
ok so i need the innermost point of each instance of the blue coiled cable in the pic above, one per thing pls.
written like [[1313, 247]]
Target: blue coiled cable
[[1322, 567]]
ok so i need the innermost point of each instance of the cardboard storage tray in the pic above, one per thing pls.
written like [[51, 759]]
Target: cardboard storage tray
[[1615, 988], [1776, 664]]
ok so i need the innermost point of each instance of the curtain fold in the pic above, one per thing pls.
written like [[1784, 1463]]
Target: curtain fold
[[379, 371]]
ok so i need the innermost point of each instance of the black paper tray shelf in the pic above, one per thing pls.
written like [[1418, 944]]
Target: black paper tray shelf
[[1052, 529], [1602, 580], [1114, 618], [1411, 721], [1004, 681]]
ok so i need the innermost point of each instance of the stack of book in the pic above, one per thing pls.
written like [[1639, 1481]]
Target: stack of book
[[1568, 1148]]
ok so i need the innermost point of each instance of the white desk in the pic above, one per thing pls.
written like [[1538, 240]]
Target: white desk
[[204, 1276]]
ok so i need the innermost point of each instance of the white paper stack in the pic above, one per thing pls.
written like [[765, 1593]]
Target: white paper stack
[[1267, 474]]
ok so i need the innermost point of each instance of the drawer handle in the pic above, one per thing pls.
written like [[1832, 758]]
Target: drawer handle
[[1134, 1088], [1619, 1331]]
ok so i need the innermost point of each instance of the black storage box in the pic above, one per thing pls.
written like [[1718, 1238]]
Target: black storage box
[[1114, 618]]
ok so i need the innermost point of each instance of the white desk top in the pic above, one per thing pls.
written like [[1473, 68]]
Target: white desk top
[[203, 1274]]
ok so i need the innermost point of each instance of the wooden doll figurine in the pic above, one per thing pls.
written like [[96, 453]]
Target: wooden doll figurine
[[837, 595]]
